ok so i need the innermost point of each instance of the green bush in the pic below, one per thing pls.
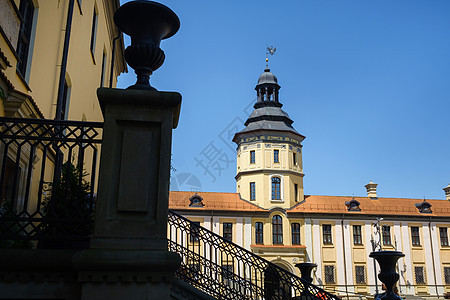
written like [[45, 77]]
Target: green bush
[[68, 207]]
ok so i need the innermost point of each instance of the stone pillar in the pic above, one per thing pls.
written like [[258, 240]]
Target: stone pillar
[[371, 189], [447, 192], [128, 256]]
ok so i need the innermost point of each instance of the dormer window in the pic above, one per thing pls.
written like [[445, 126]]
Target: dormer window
[[353, 205], [196, 201], [424, 207]]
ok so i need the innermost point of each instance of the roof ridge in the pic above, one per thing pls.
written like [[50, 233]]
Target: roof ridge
[[365, 197], [204, 192]]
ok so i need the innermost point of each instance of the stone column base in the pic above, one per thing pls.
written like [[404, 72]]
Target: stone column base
[[126, 274]]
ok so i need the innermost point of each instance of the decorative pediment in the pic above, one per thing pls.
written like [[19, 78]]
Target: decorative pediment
[[196, 201], [17, 104], [353, 205], [424, 207]]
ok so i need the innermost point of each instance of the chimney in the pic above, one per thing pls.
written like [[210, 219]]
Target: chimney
[[372, 189], [447, 192]]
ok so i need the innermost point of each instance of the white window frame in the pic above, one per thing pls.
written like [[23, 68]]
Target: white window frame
[[281, 188]]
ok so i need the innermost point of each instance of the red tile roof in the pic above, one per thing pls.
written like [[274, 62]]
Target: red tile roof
[[378, 206], [211, 201], [314, 204]]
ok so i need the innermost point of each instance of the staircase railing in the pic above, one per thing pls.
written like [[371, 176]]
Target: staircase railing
[[225, 270]]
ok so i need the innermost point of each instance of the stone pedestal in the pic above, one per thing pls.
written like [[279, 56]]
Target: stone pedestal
[[128, 256], [38, 274], [126, 274]]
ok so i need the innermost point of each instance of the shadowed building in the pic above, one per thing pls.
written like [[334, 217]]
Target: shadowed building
[[53, 57], [39, 39]]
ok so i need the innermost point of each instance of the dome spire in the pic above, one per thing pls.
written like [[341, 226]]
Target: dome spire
[[267, 87], [269, 50]]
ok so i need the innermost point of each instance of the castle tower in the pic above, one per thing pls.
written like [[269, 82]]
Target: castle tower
[[269, 151]]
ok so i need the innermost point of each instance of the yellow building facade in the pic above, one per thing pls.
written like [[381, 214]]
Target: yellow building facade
[[32, 53], [53, 57], [270, 215]]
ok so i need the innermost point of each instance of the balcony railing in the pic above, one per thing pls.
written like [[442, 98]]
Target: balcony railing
[[47, 179], [225, 270]]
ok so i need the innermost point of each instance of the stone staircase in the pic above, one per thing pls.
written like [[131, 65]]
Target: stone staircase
[[215, 268]]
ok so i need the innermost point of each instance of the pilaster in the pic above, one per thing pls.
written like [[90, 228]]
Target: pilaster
[[128, 256]]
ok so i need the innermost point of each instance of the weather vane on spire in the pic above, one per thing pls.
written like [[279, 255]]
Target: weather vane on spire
[[269, 50]]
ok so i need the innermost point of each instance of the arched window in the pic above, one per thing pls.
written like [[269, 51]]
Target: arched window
[[277, 230], [295, 233], [276, 188]]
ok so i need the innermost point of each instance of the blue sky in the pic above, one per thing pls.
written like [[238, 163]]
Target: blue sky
[[367, 83]]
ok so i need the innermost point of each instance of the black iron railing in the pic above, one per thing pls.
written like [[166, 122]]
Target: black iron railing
[[225, 270], [47, 179]]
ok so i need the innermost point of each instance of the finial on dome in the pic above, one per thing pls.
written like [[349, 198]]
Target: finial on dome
[[269, 50]]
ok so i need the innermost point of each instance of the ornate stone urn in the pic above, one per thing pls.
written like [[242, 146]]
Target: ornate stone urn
[[147, 23], [305, 270], [387, 261]]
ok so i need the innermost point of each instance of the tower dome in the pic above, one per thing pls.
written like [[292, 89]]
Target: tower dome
[[267, 77], [267, 87], [267, 113]]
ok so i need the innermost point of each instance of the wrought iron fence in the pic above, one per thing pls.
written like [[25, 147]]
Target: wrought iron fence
[[225, 270], [48, 173]]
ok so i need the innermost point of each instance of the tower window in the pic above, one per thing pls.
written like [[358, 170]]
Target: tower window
[[252, 157], [228, 231], [259, 233], [357, 236], [26, 10], [294, 158], [415, 237], [296, 191], [295, 227], [277, 230], [276, 188], [252, 191], [327, 240], [443, 235], [276, 158], [386, 230]]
